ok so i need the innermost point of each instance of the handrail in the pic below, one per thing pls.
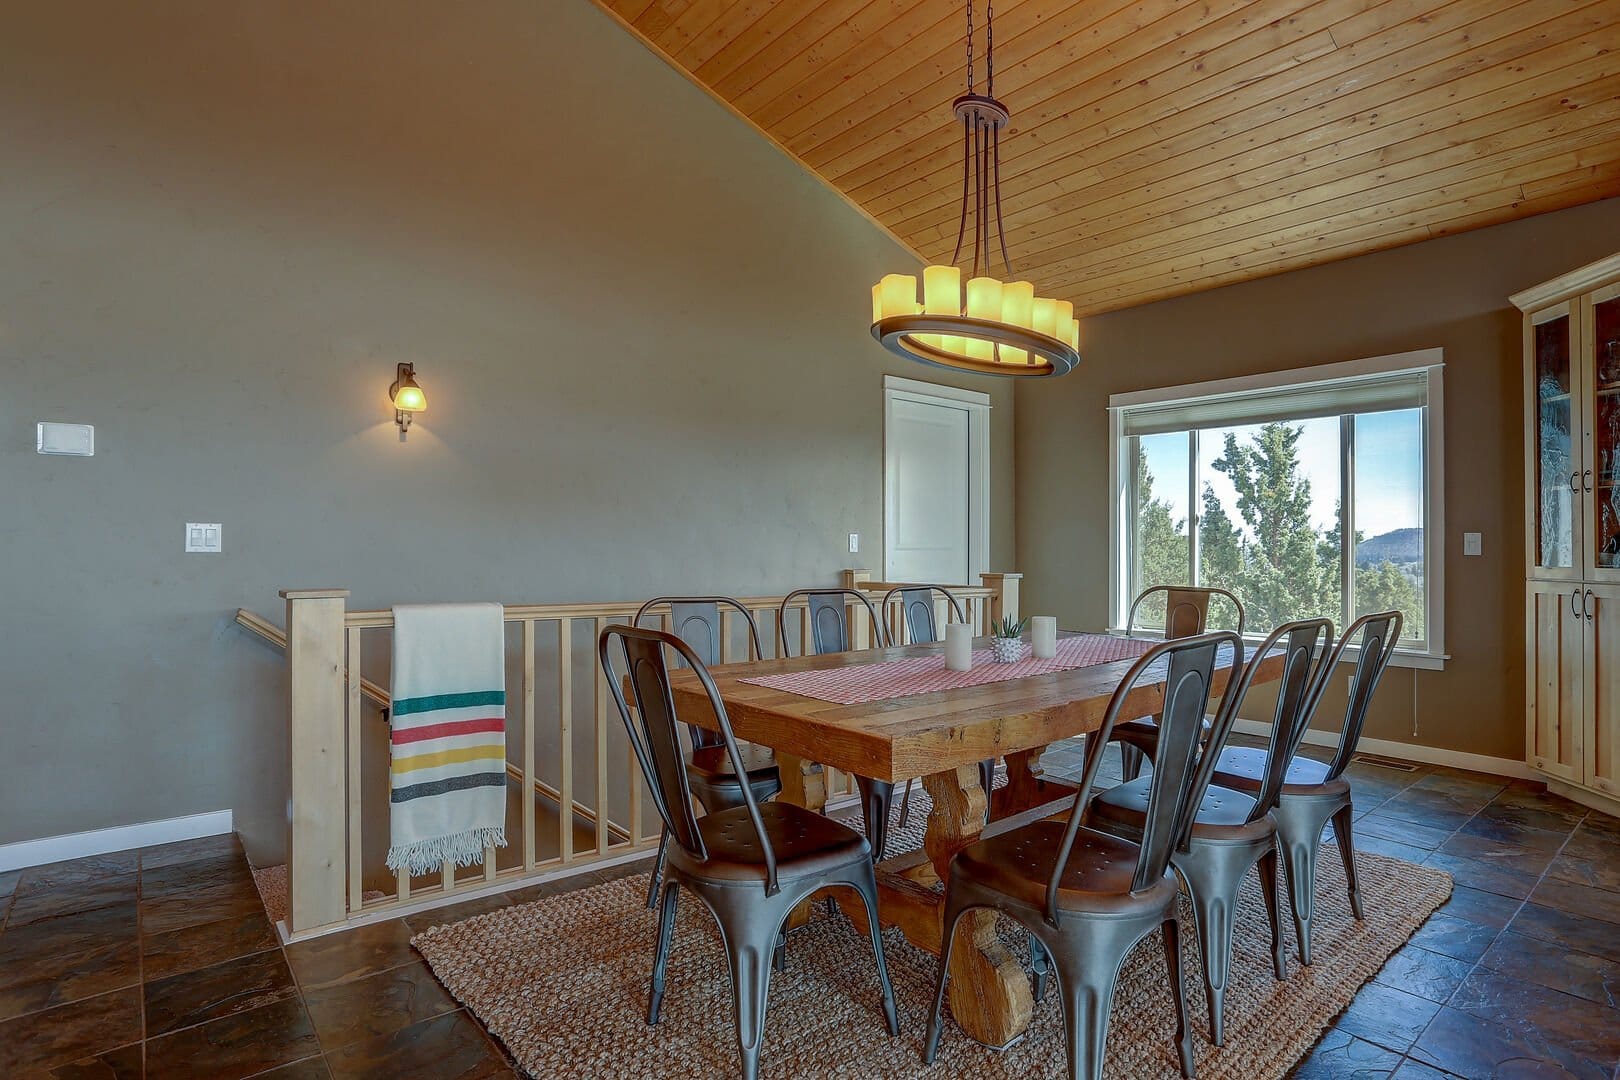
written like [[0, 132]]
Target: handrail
[[628, 608], [274, 634]]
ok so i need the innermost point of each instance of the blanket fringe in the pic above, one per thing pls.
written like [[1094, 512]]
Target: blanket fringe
[[462, 849]]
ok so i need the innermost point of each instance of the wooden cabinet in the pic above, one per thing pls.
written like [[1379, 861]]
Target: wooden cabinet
[[1572, 531]]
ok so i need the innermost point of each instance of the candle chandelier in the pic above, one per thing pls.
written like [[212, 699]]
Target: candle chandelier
[[1002, 328]]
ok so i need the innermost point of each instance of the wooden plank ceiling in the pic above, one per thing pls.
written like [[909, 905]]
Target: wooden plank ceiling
[[1159, 147]]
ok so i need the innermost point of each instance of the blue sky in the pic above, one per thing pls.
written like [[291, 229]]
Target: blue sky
[[1389, 477]]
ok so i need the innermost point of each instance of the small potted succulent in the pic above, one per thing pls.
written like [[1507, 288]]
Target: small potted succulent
[[1007, 641]]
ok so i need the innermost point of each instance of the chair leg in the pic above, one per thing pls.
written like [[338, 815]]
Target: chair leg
[[1130, 762], [1178, 994], [987, 780], [867, 887], [954, 910], [1299, 834], [1086, 982], [658, 869], [1268, 888], [1040, 967], [779, 958], [1213, 875], [876, 798], [750, 947], [666, 931], [1347, 851], [905, 803]]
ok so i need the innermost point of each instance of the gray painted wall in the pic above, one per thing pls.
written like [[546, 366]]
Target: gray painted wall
[[642, 331], [1452, 292]]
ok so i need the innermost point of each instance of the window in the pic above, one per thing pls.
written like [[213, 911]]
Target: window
[[1314, 492]]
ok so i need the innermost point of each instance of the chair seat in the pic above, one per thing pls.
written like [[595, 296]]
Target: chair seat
[[1223, 814], [1143, 732], [805, 843], [713, 764], [1018, 864], [1243, 768]]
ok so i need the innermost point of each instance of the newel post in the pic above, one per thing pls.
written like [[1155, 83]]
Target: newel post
[[1004, 594], [316, 663]]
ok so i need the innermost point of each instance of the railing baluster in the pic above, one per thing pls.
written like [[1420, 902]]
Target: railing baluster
[[601, 753], [352, 718], [447, 876], [529, 793], [402, 884], [565, 715]]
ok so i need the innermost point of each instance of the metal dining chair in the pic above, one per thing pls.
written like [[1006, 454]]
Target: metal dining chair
[[1088, 897], [697, 621], [917, 608], [829, 633], [1233, 832], [1315, 793], [750, 865], [1186, 614]]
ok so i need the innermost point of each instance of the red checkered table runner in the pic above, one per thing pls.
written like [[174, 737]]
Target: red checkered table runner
[[886, 679]]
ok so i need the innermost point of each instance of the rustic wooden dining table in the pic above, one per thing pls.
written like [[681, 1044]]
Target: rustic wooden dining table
[[939, 737]]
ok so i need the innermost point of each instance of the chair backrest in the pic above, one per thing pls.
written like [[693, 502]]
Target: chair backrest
[[917, 607], [1379, 632], [1184, 761], [829, 620], [1307, 666], [696, 620], [1186, 609], [654, 735]]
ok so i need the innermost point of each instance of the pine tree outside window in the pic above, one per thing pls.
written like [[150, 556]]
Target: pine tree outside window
[[1306, 493]]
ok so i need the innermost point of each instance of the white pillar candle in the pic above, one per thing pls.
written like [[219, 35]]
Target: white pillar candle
[[1043, 636], [958, 646]]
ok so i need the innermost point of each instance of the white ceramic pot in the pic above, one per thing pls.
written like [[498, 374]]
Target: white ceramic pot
[[1007, 650]]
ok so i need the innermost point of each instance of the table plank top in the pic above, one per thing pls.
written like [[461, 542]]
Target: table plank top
[[906, 737]]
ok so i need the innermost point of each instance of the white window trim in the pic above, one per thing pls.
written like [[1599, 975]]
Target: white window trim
[[977, 405], [1434, 657]]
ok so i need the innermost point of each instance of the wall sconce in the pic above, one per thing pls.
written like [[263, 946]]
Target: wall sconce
[[407, 397]]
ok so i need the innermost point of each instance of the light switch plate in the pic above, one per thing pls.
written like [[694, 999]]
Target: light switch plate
[[70, 440], [1473, 544], [854, 543], [207, 537]]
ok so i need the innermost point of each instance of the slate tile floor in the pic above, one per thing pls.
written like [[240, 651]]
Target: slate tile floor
[[161, 962]]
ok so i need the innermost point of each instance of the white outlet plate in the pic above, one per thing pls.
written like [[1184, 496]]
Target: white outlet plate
[[1473, 544], [207, 537], [68, 440], [854, 543]]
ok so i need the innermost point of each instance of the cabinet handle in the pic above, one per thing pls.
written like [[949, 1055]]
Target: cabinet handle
[[1574, 603], [1586, 605], [1575, 482], [1588, 475]]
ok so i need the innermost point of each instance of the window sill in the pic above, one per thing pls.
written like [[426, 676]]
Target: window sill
[[1403, 658]]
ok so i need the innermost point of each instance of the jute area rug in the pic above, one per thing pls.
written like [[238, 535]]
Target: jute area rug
[[562, 982]]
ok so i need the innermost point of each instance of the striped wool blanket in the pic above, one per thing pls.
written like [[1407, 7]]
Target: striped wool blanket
[[448, 742]]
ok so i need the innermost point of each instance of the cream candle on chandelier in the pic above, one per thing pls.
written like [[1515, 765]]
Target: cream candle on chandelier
[[959, 646], [942, 290], [983, 302]]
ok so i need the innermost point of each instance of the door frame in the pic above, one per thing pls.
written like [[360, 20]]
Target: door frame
[[977, 407]]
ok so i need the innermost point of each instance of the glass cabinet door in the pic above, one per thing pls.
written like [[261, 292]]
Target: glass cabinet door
[[1602, 482], [1555, 464]]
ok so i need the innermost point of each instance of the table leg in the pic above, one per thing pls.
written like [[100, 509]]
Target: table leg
[[804, 783], [1027, 786], [990, 996]]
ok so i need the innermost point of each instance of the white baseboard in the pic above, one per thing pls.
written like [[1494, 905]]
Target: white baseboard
[[1427, 755], [79, 845]]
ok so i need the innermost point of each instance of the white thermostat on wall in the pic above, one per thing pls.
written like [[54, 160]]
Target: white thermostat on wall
[[72, 440]]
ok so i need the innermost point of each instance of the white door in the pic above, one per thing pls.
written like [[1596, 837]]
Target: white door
[[935, 483]]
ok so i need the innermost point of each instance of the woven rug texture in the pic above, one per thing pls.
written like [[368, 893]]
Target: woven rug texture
[[562, 983]]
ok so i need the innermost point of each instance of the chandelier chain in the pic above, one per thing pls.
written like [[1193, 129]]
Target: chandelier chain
[[990, 48], [970, 45]]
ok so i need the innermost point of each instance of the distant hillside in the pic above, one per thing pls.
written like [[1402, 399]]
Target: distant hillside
[[1400, 547]]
